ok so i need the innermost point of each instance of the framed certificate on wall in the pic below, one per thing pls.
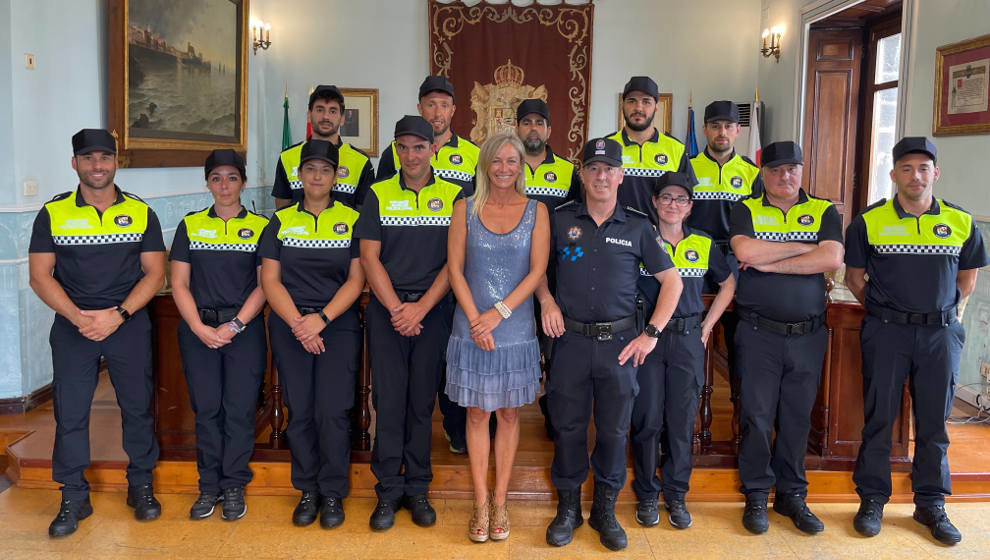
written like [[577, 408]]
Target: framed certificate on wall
[[962, 88]]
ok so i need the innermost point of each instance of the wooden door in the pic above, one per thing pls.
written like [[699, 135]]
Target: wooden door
[[831, 107]]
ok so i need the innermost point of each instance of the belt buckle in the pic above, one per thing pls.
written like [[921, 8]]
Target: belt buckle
[[796, 328], [603, 331], [209, 315]]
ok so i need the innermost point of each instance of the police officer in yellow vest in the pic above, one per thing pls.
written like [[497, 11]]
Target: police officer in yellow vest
[[922, 256], [312, 275], [354, 173], [403, 232], [455, 157], [785, 240], [647, 153], [222, 338], [97, 258]]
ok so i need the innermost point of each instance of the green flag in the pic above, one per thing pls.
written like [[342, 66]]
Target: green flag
[[286, 134]]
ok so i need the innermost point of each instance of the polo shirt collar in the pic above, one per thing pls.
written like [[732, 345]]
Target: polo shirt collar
[[628, 142], [709, 156], [549, 158], [213, 212], [301, 208], [430, 181], [452, 142], [934, 209], [80, 201], [802, 198], [618, 215]]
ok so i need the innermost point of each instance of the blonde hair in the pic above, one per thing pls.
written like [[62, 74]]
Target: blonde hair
[[488, 152]]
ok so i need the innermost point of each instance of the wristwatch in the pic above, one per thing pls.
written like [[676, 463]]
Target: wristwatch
[[651, 330], [326, 320], [125, 314]]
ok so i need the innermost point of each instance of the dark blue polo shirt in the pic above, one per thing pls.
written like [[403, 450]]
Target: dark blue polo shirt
[[912, 262], [597, 267], [695, 257]]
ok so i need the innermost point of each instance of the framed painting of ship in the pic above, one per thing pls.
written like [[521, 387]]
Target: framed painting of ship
[[176, 79]]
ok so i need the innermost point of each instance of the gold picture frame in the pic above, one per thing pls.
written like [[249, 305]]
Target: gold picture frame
[[665, 104], [360, 125], [962, 88]]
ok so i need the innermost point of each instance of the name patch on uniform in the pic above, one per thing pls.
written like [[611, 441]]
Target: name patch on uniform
[[435, 204], [736, 182], [767, 220], [245, 233], [343, 172], [806, 219], [661, 159], [295, 230], [574, 233], [340, 228], [455, 159], [295, 171], [398, 205], [123, 220], [942, 231], [80, 223], [617, 241], [706, 181], [626, 159], [550, 176], [691, 255], [894, 230], [207, 233]]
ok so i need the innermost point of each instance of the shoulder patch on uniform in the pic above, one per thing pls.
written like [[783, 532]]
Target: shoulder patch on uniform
[[61, 196], [132, 195], [633, 211], [568, 204]]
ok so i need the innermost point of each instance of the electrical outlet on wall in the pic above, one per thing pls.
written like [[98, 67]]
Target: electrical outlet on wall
[[30, 188]]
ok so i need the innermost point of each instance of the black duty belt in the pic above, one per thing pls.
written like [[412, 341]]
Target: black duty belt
[[218, 316], [933, 319], [409, 296], [781, 327], [304, 310], [601, 331], [683, 324]]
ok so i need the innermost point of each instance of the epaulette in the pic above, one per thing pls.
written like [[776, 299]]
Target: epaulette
[[292, 146], [632, 210], [672, 137], [747, 160], [568, 204], [876, 204], [468, 141], [61, 196], [190, 213], [132, 195], [954, 206], [358, 150]]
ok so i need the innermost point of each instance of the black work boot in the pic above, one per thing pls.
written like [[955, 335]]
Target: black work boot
[[755, 515], [561, 529], [70, 513], [935, 518], [423, 513], [677, 513], [647, 513], [142, 499], [384, 515], [204, 505], [233, 507], [602, 518], [332, 512], [869, 518], [305, 512], [794, 506]]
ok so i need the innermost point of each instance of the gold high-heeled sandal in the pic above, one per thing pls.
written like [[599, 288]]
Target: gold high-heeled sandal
[[478, 525], [499, 528]]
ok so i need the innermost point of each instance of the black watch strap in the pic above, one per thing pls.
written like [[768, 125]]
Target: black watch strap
[[652, 330], [125, 314], [239, 324], [326, 320]]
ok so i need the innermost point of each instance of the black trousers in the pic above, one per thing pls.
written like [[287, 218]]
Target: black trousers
[[670, 382], [778, 383], [223, 391], [405, 378], [76, 360], [585, 374], [319, 392], [927, 357], [729, 319]]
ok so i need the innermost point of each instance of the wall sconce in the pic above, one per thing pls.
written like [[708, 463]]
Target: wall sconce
[[773, 48], [261, 35]]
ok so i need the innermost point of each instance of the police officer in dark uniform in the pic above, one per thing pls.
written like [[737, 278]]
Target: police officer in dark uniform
[[671, 378], [403, 232], [97, 258], [312, 276], [647, 153], [551, 180], [354, 171], [922, 256], [598, 247], [785, 240], [222, 338], [455, 160]]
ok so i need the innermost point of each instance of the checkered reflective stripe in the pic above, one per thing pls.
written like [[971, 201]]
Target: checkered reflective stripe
[[640, 172], [642, 270], [415, 220], [716, 195], [784, 236], [953, 250], [344, 188], [316, 243], [452, 174], [104, 239], [295, 185], [242, 247], [545, 191], [691, 272]]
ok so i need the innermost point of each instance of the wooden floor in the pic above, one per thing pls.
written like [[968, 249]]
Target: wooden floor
[[29, 439]]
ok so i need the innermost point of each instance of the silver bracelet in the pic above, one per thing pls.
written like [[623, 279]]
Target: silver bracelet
[[503, 309]]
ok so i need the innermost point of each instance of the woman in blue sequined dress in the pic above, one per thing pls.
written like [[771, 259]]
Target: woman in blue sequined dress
[[498, 245]]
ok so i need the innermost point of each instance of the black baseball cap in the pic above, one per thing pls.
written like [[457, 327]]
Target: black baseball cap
[[641, 83], [224, 157], [915, 145], [319, 149], [326, 92], [676, 179], [780, 153], [436, 83], [722, 111], [415, 125], [92, 140], [531, 106], [605, 150]]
